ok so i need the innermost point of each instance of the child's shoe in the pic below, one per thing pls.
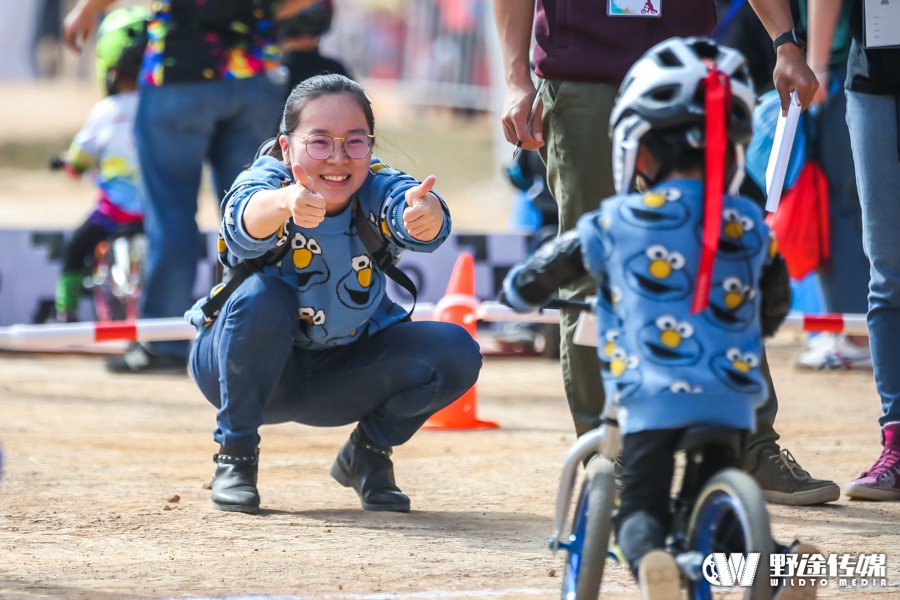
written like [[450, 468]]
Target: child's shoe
[[658, 576], [834, 352], [69, 289], [882, 481], [516, 337]]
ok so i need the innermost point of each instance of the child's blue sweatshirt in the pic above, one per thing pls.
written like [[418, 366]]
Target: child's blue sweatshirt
[[340, 290], [663, 366]]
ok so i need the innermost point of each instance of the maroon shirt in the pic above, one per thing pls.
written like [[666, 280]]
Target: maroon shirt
[[577, 41]]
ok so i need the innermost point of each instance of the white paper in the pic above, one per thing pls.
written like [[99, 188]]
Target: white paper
[[782, 144], [586, 329], [882, 23]]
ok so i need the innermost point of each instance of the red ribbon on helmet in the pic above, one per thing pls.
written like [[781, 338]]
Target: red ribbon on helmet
[[718, 99]]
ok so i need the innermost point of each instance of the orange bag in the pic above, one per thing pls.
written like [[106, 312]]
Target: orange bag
[[801, 222]]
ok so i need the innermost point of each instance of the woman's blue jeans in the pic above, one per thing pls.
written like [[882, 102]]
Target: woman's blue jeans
[[873, 124], [247, 366], [178, 128], [845, 279]]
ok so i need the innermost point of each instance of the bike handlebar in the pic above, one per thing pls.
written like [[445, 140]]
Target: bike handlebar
[[558, 303]]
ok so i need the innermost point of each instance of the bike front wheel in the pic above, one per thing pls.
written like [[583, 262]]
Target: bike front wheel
[[588, 544], [730, 517]]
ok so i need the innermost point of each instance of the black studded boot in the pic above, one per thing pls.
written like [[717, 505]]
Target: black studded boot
[[368, 469], [234, 484]]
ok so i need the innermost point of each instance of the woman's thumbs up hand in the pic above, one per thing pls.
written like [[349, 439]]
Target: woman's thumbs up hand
[[307, 206], [424, 215]]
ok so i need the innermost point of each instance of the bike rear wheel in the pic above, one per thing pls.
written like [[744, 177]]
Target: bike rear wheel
[[116, 277], [730, 516], [588, 544]]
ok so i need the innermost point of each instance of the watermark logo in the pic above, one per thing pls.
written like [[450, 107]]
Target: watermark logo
[[797, 570], [819, 570], [730, 570]]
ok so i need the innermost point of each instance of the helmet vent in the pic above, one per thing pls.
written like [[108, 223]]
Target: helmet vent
[[667, 58], [665, 93]]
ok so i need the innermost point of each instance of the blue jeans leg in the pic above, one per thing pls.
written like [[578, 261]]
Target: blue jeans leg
[[391, 382], [178, 127], [845, 280], [246, 365], [238, 361], [873, 124], [251, 112]]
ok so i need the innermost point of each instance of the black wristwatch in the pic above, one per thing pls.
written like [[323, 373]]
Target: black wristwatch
[[789, 37]]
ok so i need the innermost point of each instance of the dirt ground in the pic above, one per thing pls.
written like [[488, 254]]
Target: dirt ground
[[104, 492]]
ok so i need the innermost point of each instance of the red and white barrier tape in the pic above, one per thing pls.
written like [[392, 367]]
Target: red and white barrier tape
[[848, 324], [18, 337], [60, 335], [24, 337], [586, 332]]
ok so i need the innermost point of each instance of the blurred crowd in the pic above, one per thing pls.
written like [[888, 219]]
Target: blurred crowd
[[436, 47]]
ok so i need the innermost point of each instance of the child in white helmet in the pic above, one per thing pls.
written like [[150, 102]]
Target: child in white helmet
[[689, 282]]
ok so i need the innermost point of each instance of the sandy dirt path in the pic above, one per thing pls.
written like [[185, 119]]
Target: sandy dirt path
[[104, 494]]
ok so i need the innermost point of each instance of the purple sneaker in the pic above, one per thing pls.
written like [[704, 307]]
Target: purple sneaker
[[882, 481]]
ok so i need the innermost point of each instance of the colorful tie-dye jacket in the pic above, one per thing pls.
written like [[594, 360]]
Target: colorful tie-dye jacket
[[198, 40]]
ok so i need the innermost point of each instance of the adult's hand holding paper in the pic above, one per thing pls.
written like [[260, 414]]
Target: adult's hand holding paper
[[781, 152]]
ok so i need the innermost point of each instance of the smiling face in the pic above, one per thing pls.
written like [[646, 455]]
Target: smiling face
[[337, 177]]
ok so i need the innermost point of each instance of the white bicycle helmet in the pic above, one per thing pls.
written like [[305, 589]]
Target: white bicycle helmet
[[665, 89]]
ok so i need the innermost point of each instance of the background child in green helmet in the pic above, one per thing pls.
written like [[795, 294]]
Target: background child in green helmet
[[104, 147]]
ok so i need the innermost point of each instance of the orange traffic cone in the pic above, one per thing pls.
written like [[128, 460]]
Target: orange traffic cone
[[458, 306]]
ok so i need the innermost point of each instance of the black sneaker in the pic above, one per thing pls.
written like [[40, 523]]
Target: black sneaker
[[784, 481], [139, 359]]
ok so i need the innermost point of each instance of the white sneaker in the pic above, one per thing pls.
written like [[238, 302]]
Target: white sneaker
[[828, 351], [658, 576], [820, 341]]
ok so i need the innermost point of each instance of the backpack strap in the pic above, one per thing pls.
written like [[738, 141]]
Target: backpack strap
[[236, 275], [371, 238], [385, 260]]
